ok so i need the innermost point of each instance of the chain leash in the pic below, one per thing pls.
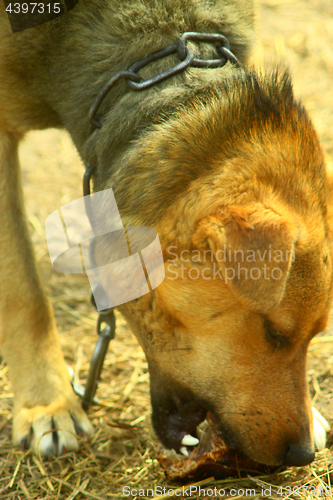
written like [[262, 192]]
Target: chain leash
[[135, 82], [185, 54]]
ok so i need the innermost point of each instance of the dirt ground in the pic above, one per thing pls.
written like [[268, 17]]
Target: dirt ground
[[122, 451]]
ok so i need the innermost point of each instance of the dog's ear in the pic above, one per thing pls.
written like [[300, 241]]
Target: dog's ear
[[254, 247]]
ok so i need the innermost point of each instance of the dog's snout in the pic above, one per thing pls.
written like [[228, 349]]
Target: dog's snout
[[298, 456]]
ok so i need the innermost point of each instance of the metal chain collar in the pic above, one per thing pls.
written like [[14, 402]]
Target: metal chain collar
[[135, 82], [187, 59]]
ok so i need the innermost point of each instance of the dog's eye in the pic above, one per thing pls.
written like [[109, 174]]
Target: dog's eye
[[274, 336]]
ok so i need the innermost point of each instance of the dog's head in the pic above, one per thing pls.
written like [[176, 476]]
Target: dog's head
[[228, 331], [248, 264]]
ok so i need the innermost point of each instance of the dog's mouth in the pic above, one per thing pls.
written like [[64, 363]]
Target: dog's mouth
[[206, 454], [197, 444]]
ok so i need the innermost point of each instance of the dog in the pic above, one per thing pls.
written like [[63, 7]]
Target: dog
[[225, 165]]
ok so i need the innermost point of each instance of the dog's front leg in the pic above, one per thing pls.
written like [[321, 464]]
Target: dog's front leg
[[47, 415]]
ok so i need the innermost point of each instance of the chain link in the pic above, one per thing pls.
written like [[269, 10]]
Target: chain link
[[187, 59], [135, 82]]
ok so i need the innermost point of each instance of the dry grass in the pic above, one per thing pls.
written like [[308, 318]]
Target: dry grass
[[121, 452]]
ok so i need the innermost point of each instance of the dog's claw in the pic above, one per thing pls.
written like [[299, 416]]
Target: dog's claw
[[79, 431], [189, 440], [320, 427], [24, 443]]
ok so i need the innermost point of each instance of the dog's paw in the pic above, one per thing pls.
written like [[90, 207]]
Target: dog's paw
[[320, 427], [51, 430]]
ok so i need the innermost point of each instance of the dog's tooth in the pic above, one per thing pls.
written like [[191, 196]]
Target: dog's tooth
[[183, 450], [189, 440], [322, 420]]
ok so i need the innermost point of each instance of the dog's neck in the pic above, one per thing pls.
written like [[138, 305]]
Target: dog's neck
[[111, 38], [128, 119]]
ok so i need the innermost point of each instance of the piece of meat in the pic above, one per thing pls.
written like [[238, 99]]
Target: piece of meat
[[211, 457]]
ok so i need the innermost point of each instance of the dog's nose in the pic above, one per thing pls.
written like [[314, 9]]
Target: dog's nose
[[298, 456]]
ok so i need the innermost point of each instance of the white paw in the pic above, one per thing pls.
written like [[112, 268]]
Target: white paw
[[51, 430], [320, 427]]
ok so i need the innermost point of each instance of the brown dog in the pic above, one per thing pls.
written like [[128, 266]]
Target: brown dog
[[226, 166]]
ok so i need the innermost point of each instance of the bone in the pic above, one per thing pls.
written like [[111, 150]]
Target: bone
[[189, 440]]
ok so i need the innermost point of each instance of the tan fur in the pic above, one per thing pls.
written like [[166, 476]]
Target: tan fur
[[29, 340], [211, 159]]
